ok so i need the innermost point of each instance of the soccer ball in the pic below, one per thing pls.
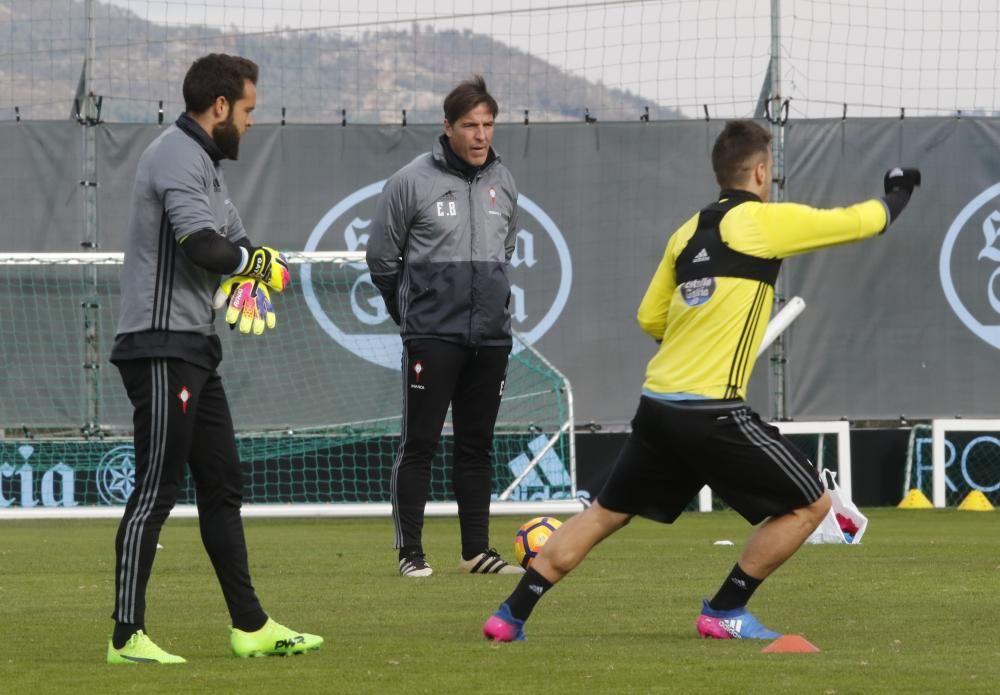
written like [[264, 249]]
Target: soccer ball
[[531, 537]]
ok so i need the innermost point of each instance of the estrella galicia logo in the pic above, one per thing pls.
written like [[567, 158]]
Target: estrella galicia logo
[[116, 475], [541, 275], [970, 265], [697, 292]]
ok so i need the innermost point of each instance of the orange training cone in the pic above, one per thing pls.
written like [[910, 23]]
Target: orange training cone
[[790, 644]]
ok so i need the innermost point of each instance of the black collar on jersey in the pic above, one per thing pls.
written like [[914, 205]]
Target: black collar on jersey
[[469, 171], [738, 195], [198, 134]]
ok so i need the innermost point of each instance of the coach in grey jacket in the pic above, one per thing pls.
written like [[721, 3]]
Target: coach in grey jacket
[[438, 251]]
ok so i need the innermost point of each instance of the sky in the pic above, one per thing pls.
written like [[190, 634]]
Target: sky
[[876, 56]]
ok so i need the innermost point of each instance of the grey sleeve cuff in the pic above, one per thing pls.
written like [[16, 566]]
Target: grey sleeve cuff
[[244, 257]]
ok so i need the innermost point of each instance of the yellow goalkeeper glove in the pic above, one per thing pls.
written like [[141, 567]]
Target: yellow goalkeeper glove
[[267, 265], [248, 304]]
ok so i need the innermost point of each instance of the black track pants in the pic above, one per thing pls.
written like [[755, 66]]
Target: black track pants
[[181, 418], [437, 373]]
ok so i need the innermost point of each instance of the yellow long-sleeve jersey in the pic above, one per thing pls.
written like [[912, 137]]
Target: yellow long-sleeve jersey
[[711, 328]]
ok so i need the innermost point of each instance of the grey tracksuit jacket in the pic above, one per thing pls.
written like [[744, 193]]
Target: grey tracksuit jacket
[[439, 249]]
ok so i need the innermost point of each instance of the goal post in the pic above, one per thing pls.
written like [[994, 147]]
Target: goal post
[[827, 456], [948, 458], [291, 511], [326, 441]]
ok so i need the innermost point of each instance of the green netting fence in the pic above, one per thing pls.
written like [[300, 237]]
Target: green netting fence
[[330, 428]]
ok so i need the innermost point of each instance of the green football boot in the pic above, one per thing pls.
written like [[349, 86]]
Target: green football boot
[[141, 650], [274, 639]]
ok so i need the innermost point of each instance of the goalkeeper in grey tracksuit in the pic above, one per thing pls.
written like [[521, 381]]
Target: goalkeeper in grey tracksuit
[[438, 251], [183, 233]]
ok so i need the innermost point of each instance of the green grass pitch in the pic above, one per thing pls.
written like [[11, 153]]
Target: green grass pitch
[[913, 609]]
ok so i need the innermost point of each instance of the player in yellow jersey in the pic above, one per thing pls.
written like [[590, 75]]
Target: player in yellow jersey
[[708, 306]]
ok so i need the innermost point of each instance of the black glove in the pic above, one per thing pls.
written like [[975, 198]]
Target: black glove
[[907, 179], [899, 184]]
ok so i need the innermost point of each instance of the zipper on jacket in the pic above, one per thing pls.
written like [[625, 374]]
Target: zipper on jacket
[[472, 264]]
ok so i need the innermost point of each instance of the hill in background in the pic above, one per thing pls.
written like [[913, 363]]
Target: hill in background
[[313, 75]]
